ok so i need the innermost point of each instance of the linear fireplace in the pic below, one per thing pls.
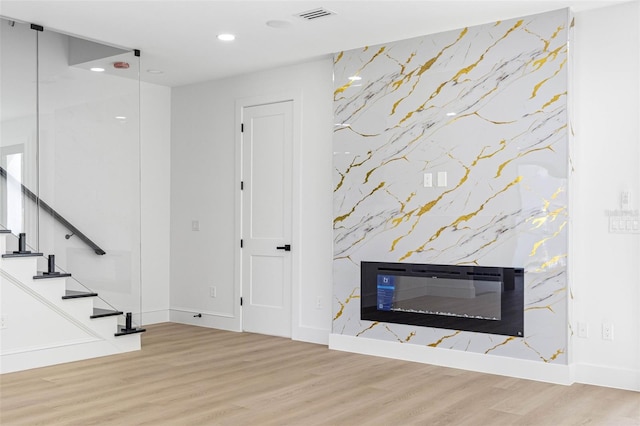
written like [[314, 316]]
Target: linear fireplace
[[473, 298]]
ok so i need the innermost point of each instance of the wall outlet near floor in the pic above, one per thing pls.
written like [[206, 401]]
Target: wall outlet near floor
[[318, 302], [583, 330], [4, 320], [607, 331], [213, 292]]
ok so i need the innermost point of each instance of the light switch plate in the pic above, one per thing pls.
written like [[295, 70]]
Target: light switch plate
[[428, 180], [442, 179]]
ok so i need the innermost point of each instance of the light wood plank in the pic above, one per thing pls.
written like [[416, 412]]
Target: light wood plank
[[187, 375]]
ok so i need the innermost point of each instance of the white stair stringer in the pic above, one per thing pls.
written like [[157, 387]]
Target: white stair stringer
[[39, 328]]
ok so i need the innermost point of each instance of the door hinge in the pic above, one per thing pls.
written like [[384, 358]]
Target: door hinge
[[241, 127], [241, 301], [241, 243], [241, 185]]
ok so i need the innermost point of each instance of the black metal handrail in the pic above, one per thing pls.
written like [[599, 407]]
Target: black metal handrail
[[64, 222]]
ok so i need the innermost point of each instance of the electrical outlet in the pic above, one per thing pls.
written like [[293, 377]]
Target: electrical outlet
[[318, 302], [4, 321], [607, 331], [213, 292], [583, 330]]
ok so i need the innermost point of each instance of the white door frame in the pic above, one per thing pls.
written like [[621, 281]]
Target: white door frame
[[296, 99]]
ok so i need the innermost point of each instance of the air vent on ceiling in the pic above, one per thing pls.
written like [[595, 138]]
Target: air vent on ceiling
[[314, 14]]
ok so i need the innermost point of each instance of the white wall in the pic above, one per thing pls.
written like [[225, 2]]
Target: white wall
[[605, 277], [203, 188], [606, 159]]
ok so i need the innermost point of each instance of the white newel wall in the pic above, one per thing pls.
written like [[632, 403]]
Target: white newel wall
[[606, 156], [155, 130]]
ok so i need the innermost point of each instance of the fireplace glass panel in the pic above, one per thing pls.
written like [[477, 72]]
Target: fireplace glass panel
[[440, 296]]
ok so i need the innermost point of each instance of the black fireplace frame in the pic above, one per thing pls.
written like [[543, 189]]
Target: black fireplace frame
[[511, 322]]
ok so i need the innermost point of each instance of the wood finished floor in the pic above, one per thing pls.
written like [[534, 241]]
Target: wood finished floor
[[187, 375]]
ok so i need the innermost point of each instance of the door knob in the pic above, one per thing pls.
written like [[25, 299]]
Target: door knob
[[286, 247]]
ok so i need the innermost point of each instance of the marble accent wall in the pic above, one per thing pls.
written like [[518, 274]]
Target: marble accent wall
[[487, 106]]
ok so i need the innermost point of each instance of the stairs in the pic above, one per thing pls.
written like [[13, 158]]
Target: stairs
[[44, 323]]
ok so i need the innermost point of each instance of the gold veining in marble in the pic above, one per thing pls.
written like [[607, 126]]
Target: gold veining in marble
[[366, 177], [520, 155], [410, 336], [544, 240], [352, 296], [418, 73], [346, 215], [553, 215], [398, 338], [554, 99], [541, 83], [351, 166], [455, 224], [555, 355], [552, 261], [538, 308], [468, 69], [442, 339], [507, 340], [346, 86], [558, 192], [373, 324], [546, 42], [553, 55]]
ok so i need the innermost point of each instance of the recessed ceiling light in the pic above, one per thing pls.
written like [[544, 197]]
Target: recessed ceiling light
[[355, 78], [451, 114], [277, 23], [120, 117], [97, 69], [152, 71], [226, 37]]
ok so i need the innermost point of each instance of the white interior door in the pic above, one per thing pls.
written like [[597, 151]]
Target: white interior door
[[267, 139]]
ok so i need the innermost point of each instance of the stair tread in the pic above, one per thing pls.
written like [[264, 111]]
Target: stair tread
[[31, 254], [100, 313], [42, 276], [73, 294], [124, 332]]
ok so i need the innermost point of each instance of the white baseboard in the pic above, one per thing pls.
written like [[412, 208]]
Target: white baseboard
[[223, 322], [62, 354], [207, 319], [311, 335], [491, 364], [152, 317], [598, 375]]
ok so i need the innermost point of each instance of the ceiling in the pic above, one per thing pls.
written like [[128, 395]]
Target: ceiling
[[179, 37]]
